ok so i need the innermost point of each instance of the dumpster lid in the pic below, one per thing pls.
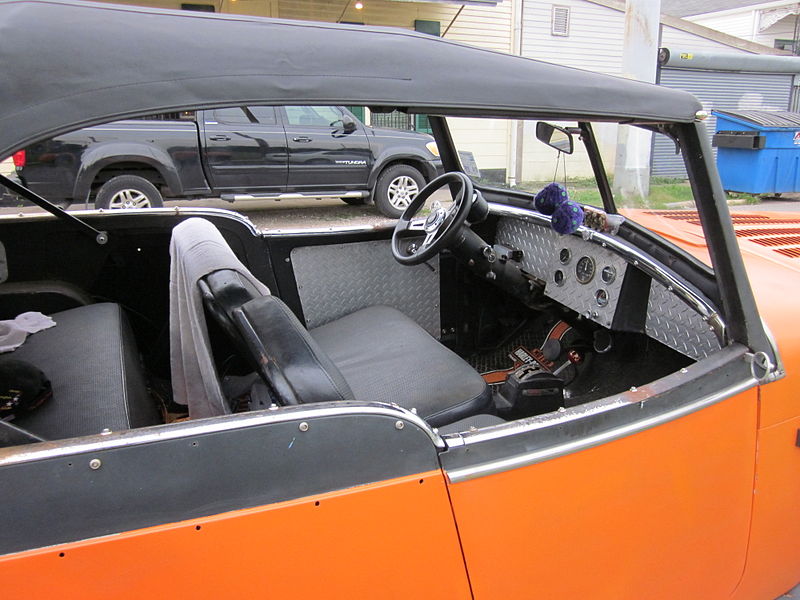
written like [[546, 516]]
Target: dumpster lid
[[764, 118]]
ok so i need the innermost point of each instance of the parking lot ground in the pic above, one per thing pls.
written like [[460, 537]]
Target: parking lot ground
[[794, 594]]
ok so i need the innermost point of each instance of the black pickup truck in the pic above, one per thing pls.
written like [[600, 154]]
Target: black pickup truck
[[236, 153]]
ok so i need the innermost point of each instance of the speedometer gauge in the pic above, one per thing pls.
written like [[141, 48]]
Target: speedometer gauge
[[584, 269]]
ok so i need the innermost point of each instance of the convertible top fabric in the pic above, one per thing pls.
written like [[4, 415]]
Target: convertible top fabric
[[71, 64]]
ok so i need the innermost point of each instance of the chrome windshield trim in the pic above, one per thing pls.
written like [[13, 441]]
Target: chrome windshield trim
[[521, 460], [134, 437], [635, 257]]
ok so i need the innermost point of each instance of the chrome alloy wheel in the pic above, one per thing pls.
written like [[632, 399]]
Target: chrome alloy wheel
[[129, 198], [402, 190]]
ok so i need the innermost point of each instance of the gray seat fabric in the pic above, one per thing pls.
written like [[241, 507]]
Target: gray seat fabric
[[386, 357], [91, 360]]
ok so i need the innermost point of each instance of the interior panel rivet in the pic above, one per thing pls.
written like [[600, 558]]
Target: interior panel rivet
[[399, 424], [105, 431], [303, 426], [95, 464], [683, 370], [633, 388]]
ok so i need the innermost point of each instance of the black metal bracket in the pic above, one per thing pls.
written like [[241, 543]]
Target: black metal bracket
[[101, 237], [797, 441]]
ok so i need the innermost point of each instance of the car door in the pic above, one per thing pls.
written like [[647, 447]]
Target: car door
[[325, 502], [323, 156], [244, 149]]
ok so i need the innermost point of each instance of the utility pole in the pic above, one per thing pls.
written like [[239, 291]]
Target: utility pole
[[639, 60]]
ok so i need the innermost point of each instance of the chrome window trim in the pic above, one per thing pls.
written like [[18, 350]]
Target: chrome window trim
[[547, 453], [186, 211], [15, 455], [633, 256]]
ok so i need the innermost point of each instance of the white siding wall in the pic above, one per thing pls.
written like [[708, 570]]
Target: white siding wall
[[594, 41], [677, 38], [739, 24]]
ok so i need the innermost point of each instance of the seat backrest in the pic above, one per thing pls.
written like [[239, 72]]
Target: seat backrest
[[286, 355], [198, 252]]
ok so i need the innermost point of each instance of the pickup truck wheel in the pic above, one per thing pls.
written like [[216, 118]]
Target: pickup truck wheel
[[128, 191], [397, 186]]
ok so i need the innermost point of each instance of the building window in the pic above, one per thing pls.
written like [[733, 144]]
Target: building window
[[559, 24], [785, 45], [199, 7]]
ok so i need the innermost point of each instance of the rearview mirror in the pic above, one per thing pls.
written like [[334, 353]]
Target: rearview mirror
[[555, 137]]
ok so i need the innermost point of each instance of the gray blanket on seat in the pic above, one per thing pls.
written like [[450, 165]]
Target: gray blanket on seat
[[197, 249]]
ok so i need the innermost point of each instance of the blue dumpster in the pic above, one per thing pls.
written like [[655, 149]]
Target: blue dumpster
[[758, 152]]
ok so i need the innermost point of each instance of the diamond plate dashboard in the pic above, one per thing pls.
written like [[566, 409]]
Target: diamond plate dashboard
[[544, 251], [553, 258]]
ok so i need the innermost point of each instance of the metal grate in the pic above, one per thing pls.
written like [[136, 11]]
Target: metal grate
[[393, 120]]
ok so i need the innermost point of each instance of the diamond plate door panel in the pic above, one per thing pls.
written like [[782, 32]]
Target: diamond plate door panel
[[336, 280], [673, 323]]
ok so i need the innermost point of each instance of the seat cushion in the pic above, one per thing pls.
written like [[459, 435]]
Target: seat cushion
[[386, 357], [91, 359]]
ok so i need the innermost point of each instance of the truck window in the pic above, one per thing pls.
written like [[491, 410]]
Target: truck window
[[264, 114], [315, 116], [232, 116]]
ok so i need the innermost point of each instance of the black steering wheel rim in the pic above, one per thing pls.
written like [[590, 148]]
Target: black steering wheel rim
[[440, 227]]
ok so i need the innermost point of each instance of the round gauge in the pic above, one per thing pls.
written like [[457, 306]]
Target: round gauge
[[608, 274], [584, 269], [564, 256], [558, 277], [601, 297]]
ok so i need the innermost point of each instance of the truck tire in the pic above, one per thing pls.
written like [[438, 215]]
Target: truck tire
[[397, 186], [128, 191]]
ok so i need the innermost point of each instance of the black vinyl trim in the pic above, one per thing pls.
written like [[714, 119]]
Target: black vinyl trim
[[63, 499]]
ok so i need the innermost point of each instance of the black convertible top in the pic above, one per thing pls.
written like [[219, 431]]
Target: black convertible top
[[71, 64]]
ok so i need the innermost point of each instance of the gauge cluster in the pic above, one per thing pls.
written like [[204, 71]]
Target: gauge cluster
[[585, 277]]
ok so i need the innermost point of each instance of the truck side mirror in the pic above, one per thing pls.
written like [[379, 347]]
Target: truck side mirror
[[348, 124]]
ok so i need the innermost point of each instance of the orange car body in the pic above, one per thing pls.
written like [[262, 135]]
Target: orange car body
[[684, 486]]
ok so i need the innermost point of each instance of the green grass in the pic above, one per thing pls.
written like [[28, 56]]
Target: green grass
[[663, 193]]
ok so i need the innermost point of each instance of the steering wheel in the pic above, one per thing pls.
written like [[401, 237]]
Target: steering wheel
[[440, 227]]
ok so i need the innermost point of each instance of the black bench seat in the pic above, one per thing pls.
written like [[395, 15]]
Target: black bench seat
[[91, 359]]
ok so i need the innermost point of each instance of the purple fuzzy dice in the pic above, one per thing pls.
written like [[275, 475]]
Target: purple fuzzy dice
[[567, 217], [550, 196], [554, 200]]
